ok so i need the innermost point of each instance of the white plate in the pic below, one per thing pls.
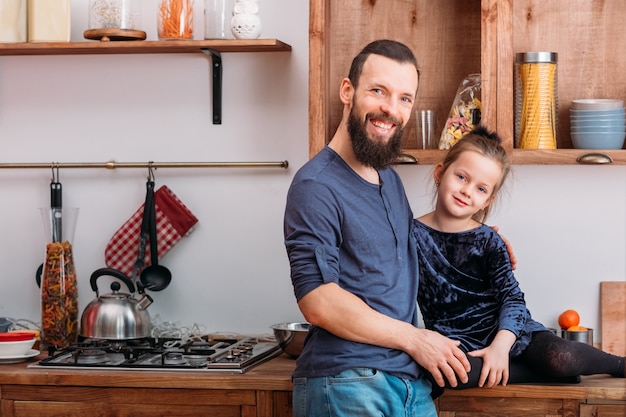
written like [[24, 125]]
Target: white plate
[[19, 358]]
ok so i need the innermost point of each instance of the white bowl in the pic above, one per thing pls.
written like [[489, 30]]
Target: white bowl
[[597, 104], [598, 140], [21, 347]]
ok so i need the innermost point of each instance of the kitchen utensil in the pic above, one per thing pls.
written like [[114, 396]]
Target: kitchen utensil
[[613, 316], [116, 315], [290, 337], [155, 277], [56, 207], [144, 232]]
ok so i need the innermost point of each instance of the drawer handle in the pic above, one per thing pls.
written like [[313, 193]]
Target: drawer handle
[[594, 158], [405, 158]]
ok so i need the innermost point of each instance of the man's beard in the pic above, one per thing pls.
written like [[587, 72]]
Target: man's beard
[[373, 152]]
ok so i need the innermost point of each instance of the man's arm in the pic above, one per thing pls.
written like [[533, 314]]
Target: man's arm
[[347, 316]]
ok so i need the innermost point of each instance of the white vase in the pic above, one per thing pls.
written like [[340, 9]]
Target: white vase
[[246, 26]]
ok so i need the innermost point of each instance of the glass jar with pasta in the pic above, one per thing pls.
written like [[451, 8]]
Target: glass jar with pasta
[[59, 291], [536, 100]]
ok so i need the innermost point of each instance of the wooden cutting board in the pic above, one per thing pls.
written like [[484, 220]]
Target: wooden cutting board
[[613, 316]]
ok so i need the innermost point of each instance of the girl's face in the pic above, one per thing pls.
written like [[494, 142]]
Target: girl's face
[[467, 185]]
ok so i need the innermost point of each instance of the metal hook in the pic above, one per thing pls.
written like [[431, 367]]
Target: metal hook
[[150, 171], [55, 172]]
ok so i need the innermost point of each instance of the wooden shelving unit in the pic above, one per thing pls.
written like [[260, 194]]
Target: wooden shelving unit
[[455, 38]]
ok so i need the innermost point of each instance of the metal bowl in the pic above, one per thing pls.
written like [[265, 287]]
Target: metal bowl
[[290, 337]]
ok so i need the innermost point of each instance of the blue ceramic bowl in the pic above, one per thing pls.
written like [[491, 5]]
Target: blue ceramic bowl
[[598, 140]]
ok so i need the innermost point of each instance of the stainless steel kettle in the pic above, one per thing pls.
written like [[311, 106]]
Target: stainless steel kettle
[[117, 315]]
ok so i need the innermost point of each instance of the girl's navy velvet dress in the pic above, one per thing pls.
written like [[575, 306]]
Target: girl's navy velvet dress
[[467, 290]]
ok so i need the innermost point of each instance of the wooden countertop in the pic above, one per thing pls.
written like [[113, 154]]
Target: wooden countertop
[[275, 375]]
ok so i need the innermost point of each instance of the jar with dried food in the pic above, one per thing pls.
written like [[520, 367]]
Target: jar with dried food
[[114, 20], [59, 292], [175, 19]]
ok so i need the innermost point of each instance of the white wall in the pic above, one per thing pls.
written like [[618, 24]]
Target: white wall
[[566, 223]]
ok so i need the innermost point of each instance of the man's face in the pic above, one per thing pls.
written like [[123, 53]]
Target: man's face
[[381, 107]]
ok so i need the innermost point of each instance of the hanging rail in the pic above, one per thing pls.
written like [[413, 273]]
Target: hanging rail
[[115, 165]]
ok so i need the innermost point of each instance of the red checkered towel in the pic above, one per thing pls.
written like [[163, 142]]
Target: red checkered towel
[[174, 221]]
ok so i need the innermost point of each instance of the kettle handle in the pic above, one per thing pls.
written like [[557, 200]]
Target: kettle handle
[[112, 272]]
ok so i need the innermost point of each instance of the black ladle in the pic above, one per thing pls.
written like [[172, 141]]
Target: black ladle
[[154, 277]]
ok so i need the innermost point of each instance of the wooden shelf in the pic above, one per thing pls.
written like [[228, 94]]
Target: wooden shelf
[[212, 48], [142, 47], [536, 157]]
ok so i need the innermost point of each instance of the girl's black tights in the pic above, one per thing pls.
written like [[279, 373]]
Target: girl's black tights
[[549, 358], [559, 357]]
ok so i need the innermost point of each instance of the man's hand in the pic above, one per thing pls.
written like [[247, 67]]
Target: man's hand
[[440, 356], [509, 248]]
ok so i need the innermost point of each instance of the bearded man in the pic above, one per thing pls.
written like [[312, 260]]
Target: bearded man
[[353, 264]]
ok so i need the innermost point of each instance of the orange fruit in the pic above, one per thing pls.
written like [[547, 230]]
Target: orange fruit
[[577, 329], [569, 318]]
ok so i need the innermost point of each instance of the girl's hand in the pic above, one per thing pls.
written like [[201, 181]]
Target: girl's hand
[[495, 360]]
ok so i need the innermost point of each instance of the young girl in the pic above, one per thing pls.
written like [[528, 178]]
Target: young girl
[[467, 290]]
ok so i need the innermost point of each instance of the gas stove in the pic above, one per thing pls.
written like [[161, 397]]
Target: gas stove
[[206, 354]]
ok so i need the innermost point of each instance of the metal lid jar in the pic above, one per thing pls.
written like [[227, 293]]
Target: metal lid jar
[[114, 20], [536, 100]]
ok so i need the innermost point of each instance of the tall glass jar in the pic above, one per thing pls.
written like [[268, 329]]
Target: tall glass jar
[[217, 16], [59, 292], [536, 100], [175, 19]]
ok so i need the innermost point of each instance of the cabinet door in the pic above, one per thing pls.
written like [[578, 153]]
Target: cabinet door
[[603, 410], [504, 407], [79, 409]]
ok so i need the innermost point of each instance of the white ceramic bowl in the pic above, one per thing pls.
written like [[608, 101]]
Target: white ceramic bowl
[[597, 104], [18, 348], [598, 140]]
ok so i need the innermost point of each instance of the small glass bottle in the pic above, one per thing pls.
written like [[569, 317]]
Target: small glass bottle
[[175, 19], [13, 21], [536, 100]]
